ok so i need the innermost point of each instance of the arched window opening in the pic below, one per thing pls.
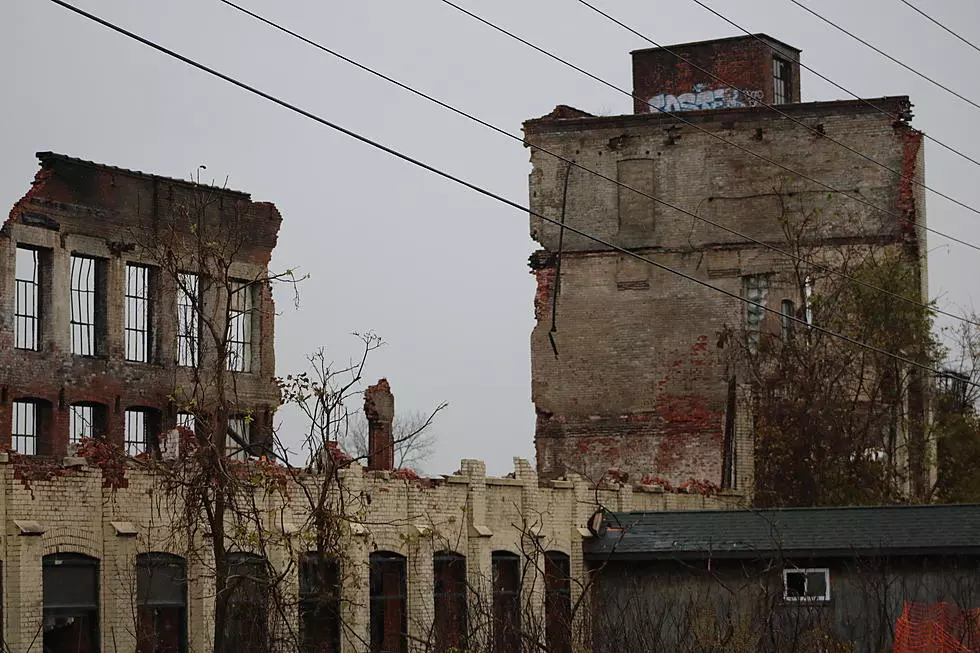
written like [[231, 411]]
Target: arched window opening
[[161, 603], [558, 602], [71, 603], [142, 430], [247, 623], [86, 420], [319, 603], [389, 609], [506, 572], [449, 594]]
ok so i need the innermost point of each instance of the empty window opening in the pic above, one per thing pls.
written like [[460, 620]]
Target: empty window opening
[[781, 87], [161, 603], [27, 290], [188, 304], [247, 625], [85, 421], [806, 584], [808, 299], [389, 614], [240, 327], [319, 604], [26, 426], [506, 573], [787, 311], [83, 305], [141, 426], [71, 603], [137, 323], [237, 438], [756, 291], [187, 421], [558, 602], [449, 593]]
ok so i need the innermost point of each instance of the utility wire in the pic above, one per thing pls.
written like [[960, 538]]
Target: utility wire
[[815, 131], [933, 20], [676, 116], [885, 54], [572, 163], [835, 84], [483, 191]]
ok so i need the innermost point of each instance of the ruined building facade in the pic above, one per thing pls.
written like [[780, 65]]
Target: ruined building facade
[[627, 371], [106, 317]]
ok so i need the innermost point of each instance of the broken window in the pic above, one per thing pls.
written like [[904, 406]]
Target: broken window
[[506, 572], [247, 624], [237, 438], [142, 425], [389, 614], [806, 584], [240, 306], [71, 603], [27, 282], [787, 311], [449, 594], [187, 421], [782, 90], [137, 325], [83, 305], [25, 426], [86, 421], [188, 300], [756, 291], [161, 603], [557, 602], [319, 603], [808, 299]]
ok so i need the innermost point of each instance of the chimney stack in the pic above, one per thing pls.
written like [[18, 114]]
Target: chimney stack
[[379, 408]]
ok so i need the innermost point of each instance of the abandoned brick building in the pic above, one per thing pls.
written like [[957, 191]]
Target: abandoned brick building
[[99, 334], [627, 372]]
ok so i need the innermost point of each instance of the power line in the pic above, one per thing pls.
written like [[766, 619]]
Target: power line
[[676, 116], [782, 113], [835, 84], [933, 20], [885, 54], [573, 163], [480, 189]]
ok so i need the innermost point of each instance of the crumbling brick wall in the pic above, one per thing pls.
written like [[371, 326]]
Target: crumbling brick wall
[[116, 215], [639, 382]]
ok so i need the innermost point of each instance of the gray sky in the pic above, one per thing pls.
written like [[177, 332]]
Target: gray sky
[[439, 272]]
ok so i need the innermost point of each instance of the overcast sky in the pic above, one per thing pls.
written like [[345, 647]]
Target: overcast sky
[[438, 271]]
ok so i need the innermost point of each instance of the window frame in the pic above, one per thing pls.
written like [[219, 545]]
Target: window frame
[[506, 603], [319, 606], [96, 419], [239, 333], [150, 421], [558, 596], [35, 421], [782, 75], [67, 610], [146, 602], [138, 303], [806, 598], [233, 449], [188, 319], [248, 592], [787, 310], [380, 563], [450, 605], [86, 308], [27, 307]]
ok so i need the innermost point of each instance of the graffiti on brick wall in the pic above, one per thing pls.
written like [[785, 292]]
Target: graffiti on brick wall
[[705, 98]]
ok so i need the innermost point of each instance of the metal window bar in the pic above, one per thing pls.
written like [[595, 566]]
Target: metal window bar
[[187, 319], [137, 325], [82, 305], [26, 283], [137, 430], [187, 421], [240, 327], [239, 426], [25, 427], [82, 423]]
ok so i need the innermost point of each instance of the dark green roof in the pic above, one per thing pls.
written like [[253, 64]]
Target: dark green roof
[[830, 532]]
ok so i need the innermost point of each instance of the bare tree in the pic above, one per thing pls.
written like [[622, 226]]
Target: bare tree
[[415, 440]]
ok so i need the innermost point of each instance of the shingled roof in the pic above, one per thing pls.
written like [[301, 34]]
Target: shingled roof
[[825, 532]]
